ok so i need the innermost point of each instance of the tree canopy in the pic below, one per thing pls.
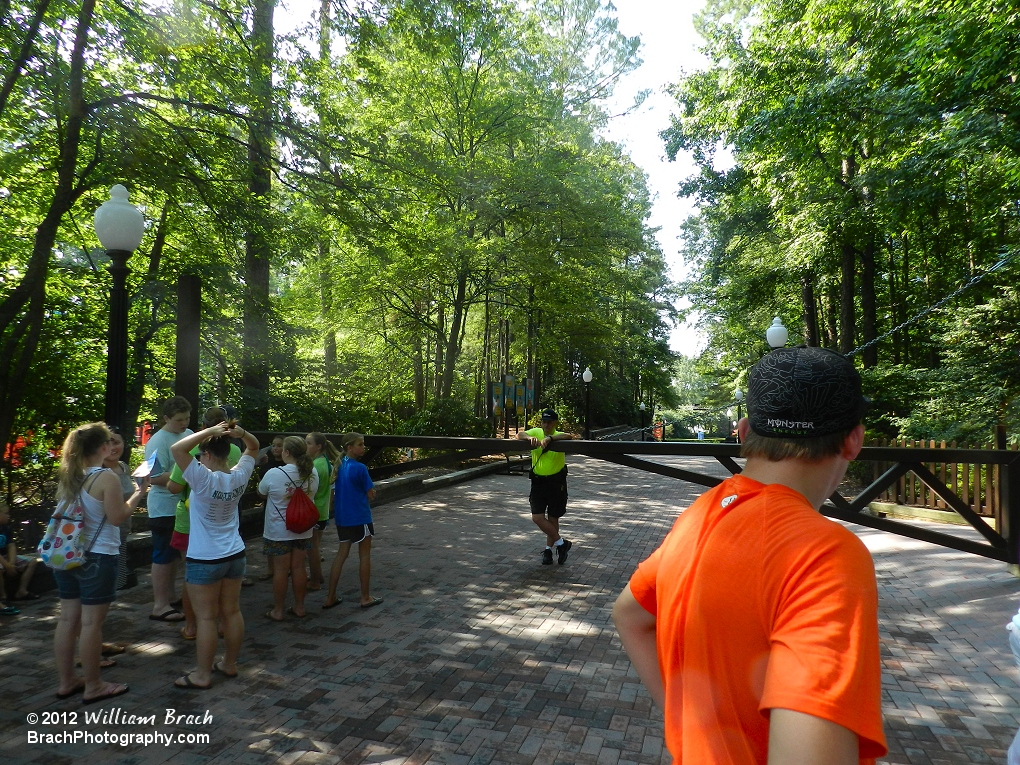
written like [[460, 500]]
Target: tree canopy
[[392, 206], [858, 162]]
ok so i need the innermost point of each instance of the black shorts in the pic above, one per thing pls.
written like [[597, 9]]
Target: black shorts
[[355, 534], [321, 525], [549, 494]]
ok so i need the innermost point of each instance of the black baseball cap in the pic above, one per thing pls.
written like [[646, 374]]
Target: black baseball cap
[[804, 392], [550, 414]]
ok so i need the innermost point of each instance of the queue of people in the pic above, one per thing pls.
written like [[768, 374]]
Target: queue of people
[[204, 474]]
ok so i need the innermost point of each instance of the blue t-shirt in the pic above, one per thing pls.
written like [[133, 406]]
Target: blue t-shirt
[[350, 494], [6, 537]]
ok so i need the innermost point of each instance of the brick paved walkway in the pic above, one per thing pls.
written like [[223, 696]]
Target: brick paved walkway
[[481, 655]]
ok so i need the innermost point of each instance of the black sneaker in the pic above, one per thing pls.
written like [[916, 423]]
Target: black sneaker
[[547, 557], [562, 550]]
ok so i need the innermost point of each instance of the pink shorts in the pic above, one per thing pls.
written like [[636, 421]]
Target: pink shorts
[[179, 541]]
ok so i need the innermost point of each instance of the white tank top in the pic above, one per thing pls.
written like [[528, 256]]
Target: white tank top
[[108, 540]]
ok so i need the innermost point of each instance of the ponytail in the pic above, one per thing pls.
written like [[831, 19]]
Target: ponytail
[[296, 446], [329, 451], [346, 440], [81, 443]]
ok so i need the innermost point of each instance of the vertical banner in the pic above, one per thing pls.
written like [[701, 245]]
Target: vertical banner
[[529, 394], [496, 402], [520, 400], [508, 393]]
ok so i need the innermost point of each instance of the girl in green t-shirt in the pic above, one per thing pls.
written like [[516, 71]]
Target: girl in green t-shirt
[[324, 456]]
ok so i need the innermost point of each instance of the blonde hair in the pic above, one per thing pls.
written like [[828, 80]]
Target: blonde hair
[[347, 440], [328, 449], [299, 451], [81, 443]]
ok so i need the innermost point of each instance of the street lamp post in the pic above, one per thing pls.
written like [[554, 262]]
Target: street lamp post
[[587, 377], [739, 396], [119, 226], [641, 407]]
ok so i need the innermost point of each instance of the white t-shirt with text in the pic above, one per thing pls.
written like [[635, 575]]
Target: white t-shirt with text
[[213, 504]]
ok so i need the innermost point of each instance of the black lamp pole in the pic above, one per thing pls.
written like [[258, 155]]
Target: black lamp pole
[[587, 411], [117, 341]]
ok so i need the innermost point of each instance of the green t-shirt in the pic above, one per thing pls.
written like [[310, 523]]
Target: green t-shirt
[[321, 498], [547, 462], [182, 518]]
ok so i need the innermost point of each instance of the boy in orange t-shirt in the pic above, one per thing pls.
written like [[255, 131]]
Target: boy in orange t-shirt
[[754, 625]]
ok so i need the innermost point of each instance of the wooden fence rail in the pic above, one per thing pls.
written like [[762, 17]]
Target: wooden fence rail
[[978, 485]]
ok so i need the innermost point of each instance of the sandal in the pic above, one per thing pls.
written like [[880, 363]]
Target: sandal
[[186, 682], [103, 663], [218, 667], [186, 636], [118, 690], [334, 604], [9, 611], [372, 602], [170, 615], [79, 688], [113, 649], [269, 615]]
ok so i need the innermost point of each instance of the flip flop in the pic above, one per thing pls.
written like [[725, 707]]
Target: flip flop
[[9, 611], [269, 615], [79, 688], [103, 663], [374, 602], [167, 616], [295, 614], [246, 582], [112, 649], [334, 604], [218, 667], [190, 684], [120, 690], [186, 636]]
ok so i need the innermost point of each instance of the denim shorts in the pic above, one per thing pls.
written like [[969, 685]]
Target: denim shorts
[[162, 530], [196, 572], [93, 583]]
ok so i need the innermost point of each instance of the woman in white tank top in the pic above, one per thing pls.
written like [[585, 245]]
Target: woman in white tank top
[[87, 592]]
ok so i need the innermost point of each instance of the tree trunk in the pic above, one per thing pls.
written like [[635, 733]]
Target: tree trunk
[[832, 315], [846, 297], [23, 310], [419, 373], [869, 317], [894, 308], [258, 239], [325, 282], [453, 343], [807, 294]]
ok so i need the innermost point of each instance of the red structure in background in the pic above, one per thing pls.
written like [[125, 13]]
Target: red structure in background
[[143, 432], [657, 431], [12, 455]]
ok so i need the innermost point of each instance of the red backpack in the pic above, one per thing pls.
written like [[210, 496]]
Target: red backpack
[[302, 513]]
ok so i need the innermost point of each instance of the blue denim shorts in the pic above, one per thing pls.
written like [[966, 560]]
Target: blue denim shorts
[[196, 572], [93, 583]]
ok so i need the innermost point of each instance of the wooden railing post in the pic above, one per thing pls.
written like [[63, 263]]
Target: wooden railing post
[[1009, 503]]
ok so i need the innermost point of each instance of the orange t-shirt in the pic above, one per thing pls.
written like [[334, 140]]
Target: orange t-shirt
[[761, 603]]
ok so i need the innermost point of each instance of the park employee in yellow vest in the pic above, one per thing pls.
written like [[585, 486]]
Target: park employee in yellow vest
[[548, 496]]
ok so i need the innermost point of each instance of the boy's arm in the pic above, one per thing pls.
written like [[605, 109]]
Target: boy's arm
[[796, 738], [637, 633]]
